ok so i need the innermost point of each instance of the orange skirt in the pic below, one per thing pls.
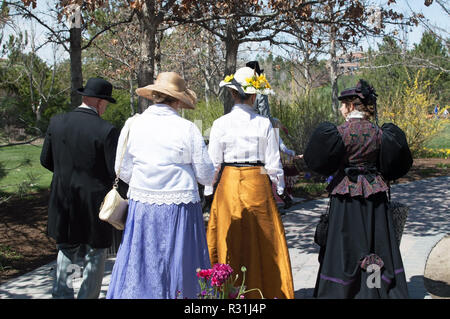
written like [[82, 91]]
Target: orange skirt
[[245, 229]]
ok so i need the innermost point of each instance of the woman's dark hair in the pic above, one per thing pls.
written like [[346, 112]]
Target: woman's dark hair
[[364, 99], [368, 110], [237, 96]]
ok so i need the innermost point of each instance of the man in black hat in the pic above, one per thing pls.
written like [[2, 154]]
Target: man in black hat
[[261, 104], [80, 149]]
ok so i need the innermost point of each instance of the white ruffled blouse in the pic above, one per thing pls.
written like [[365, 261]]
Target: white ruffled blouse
[[245, 136], [165, 158]]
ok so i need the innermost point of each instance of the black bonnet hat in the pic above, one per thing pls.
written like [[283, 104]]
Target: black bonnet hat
[[99, 88], [363, 90], [255, 66]]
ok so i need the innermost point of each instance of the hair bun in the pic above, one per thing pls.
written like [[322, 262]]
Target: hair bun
[[366, 92]]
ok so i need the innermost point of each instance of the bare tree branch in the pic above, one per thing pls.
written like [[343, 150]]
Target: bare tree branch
[[22, 143], [109, 27], [31, 15]]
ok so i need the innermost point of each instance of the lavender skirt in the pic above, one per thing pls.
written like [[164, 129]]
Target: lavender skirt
[[162, 247]]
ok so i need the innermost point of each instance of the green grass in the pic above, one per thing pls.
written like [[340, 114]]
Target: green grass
[[309, 187], [442, 139], [7, 256], [21, 172]]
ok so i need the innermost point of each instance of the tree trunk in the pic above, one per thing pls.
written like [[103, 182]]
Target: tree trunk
[[210, 88], [149, 25], [231, 47], [30, 83], [146, 65], [133, 111], [76, 74], [35, 104], [307, 74], [183, 71], [38, 112], [159, 37], [207, 73], [207, 89], [334, 75]]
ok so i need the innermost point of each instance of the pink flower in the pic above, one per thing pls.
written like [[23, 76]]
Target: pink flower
[[221, 272], [204, 273]]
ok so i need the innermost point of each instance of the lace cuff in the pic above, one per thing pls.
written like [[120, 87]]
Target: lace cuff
[[163, 197]]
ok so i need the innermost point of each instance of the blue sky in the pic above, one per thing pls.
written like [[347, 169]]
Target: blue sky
[[434, 13]]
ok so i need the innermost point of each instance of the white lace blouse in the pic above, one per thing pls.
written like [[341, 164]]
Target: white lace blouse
[[245, 136], [165, 158]]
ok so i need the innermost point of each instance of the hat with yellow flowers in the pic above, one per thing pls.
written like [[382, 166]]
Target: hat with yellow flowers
[[247, 81]]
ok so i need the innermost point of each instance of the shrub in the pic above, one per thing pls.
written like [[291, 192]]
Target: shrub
[[119, 112], [204, 115], [409, 108], [434, 152], [302, 116]]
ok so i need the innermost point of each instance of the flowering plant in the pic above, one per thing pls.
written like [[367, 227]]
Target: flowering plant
[[435, 152], [218, 283]]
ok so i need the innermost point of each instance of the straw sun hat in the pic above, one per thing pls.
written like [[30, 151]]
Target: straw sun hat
[[173, 85]]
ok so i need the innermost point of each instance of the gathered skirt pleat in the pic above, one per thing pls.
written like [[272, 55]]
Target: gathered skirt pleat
[[245, 229], [359, 227], [161, 249]]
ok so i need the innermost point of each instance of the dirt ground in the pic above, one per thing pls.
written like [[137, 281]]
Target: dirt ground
[[25, 246], [23, 240]]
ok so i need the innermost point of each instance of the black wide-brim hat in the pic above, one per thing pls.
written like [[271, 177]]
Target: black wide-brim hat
[[255, 66], [99, 88]]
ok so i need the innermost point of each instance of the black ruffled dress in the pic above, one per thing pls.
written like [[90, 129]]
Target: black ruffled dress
[[361, 239]]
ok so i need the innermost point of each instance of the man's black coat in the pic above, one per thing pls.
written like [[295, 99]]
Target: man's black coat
[[79, 149]]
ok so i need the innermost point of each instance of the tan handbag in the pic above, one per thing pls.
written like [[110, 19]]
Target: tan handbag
[[114, 208]]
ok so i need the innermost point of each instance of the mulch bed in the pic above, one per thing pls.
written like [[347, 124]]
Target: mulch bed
[[23, 223], [427, 168]]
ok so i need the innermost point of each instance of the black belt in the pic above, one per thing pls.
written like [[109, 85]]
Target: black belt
[[354, 171], [244, 164]]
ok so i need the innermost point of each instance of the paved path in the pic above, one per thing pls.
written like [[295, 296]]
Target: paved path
[[428, 222]]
